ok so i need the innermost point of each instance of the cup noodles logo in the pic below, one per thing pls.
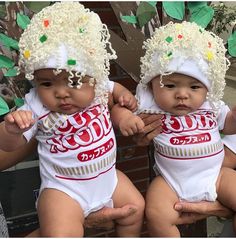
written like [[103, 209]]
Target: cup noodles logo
[[81, 130], [204, 120]]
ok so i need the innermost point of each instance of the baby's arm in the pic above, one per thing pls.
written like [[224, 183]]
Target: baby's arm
[[126, 121], [12, 129], [124, 97]]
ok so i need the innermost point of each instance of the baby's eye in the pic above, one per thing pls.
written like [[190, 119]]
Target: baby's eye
[[195, 87], [169, 85], [46, 83]]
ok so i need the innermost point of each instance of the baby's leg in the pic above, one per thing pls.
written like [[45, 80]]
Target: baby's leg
[[226, 190], [160, 213], [59, 215], [126, 193]]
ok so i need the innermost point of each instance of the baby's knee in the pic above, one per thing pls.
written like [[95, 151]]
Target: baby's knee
[[138, 208]]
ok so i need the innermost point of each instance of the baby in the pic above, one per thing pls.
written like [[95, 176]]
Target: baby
[[65, 51], [183, 78]]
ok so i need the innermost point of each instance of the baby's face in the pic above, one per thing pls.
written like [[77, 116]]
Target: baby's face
[[180, 95], [57, 96]]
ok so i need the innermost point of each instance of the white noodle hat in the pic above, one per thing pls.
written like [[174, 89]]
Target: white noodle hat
[[188, 49], [67, 36]]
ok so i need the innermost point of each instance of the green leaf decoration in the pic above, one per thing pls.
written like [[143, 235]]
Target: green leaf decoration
[[8, 41], [153, 3], [195, 6], [232, 44], [36, 6], [3, 107], [22, 20], [6, 62], [145, 13], [3, 11], [202, 16], [18, 102], [130, 19], [175, 10], [11, 72]]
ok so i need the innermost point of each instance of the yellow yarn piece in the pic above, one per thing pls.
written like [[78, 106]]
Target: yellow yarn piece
[[26, 54], [209, 55]]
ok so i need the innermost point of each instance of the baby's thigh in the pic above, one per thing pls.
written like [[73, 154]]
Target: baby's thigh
[[225, 187], [160, 201], [126, 192], [59, 215]]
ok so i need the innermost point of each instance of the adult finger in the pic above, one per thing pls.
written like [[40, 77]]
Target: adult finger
[[204, 207], [189, 218], [101, 217]]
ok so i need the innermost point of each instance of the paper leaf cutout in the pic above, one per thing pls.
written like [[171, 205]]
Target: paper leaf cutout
[[22, 20], [232, 44], [36, 6], [175, 10], [11, 72], [202, 16], [130, 19], [8, 41], [153, 3], [18, 102], [3, 11], [3, 107], [145, 13], [6, 62], [195, 6]]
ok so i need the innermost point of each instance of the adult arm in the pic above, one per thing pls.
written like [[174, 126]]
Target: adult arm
[[9, 159], [192, 212], [153, 127]]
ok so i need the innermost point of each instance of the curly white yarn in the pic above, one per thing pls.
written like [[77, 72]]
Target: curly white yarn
[[80, 31], [190, 42]]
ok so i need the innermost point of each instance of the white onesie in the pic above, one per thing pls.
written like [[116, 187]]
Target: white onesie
[[77, 153], [189, 151]]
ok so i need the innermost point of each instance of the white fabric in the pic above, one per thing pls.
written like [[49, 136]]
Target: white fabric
[[77, 152], [189, 152], [230, 142], [59, 58], [182, 65]]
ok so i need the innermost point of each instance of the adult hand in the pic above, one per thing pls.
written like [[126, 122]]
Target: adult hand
[[105, 217], [192, 212], [153, 127], [102, 219]]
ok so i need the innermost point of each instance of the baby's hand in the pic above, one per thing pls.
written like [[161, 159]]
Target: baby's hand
[[18, 122], [129, 101], [131, 125]]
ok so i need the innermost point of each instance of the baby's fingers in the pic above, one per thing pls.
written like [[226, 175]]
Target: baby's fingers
[[23, 119]]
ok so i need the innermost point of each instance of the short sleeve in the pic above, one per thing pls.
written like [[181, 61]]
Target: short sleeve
[[224, 109], [230, 142], [33, 104], [110, 86]]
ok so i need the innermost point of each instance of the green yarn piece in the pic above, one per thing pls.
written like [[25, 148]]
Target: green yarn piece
[[43, 38], [71, 62], [169, 39]]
